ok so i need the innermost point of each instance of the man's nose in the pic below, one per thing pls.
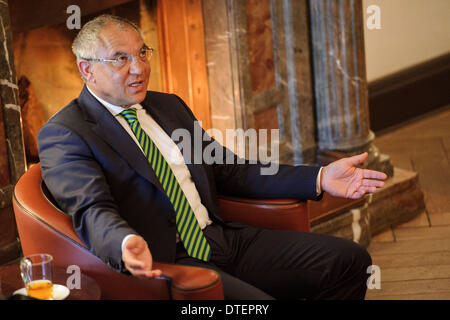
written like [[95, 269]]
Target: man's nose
[[137, 66]]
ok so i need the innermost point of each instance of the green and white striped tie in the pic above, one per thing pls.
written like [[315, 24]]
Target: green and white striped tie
[[190, 232]]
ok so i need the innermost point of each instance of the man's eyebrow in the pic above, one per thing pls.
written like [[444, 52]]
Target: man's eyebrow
[[119, 53]]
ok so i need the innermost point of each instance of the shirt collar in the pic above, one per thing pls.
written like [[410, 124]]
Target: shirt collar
[[115, 110]]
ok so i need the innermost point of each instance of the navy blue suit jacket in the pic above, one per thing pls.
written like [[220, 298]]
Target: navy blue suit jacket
[[98, 175]]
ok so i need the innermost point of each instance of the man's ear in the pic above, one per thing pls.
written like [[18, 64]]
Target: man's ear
[[86, 70]]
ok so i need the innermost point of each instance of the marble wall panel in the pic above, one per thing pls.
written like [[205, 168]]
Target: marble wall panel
[[4, 167], [267, 119], [260, 45]]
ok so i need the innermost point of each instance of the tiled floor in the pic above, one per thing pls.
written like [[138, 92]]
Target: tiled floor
[[414, 258]]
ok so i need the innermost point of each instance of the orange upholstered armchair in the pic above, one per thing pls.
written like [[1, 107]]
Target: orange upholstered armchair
[[43, 228]]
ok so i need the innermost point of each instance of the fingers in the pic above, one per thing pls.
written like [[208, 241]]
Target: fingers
[[134, 264], [141, 269], [145, 273], [362, 190], [371, 174], [372, 183], [138, 259], [356, 195], [155, 273], [358, 159]]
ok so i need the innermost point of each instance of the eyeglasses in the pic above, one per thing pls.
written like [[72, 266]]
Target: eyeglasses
[[144, 54]]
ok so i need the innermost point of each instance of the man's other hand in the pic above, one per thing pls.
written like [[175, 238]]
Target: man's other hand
[[342, 178], [138, 259]]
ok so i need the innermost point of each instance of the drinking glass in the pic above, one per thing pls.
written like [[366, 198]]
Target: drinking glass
[[37, 274]]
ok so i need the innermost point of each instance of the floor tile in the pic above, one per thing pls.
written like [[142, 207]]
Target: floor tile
[[416, 273], [405, 288], [412, 246], [386, 236], [438, 219], [402, 260], [418, 233], [421, 220], [420, 296]]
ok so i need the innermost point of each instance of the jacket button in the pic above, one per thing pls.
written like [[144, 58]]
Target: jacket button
[[172, 221]]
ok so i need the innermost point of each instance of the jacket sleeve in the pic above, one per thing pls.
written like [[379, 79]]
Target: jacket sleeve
[[252, 179], [78, 184], [238, 177]]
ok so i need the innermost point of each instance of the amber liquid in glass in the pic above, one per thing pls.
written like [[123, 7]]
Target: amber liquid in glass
[[40, 289]]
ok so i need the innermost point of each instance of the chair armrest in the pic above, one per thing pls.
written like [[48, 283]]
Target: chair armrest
[[281, 214], [191, 283]]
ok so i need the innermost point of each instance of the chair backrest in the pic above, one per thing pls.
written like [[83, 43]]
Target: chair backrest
[[43, 228]]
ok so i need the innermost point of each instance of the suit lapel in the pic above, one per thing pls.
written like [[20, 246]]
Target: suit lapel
[[109, 129], [170, 118]]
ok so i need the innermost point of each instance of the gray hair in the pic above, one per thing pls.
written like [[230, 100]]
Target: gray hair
[[86, 42]]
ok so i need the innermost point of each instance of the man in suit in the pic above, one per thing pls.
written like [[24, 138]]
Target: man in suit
[[96, 162]]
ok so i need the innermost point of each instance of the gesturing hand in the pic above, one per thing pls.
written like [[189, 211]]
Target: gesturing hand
[[138, 259], [342, 178]]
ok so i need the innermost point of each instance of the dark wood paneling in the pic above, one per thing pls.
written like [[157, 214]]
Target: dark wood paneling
[[7, 227], [29, 14], [410, 93]]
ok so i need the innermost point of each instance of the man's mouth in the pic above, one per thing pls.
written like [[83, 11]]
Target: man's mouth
[[136, 83]]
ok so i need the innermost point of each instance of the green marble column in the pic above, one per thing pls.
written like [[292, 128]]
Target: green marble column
[[340, 82]]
